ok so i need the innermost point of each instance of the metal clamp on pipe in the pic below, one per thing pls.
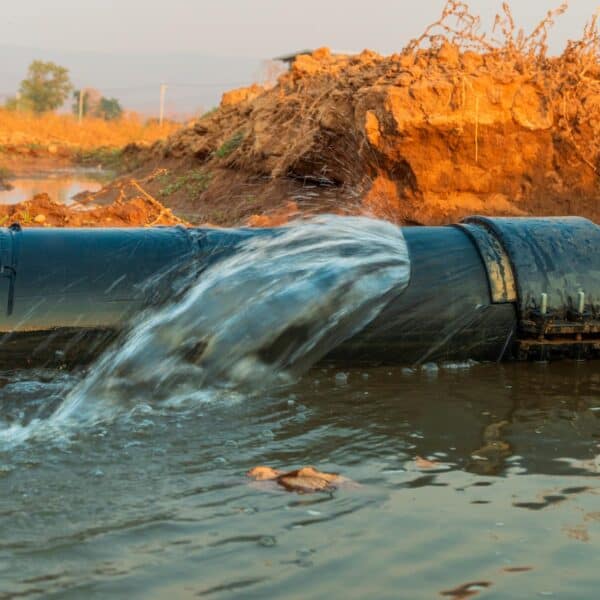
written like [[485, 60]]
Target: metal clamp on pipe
[[555, 266]]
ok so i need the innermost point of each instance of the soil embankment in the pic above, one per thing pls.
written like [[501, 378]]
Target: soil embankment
[[43, 211], [453, 125], [32, 144]]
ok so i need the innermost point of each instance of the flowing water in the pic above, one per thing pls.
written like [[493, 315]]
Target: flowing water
[[128, 480]]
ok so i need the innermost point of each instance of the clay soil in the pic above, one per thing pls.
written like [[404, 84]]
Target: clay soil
[[455, 124], [42, 211]]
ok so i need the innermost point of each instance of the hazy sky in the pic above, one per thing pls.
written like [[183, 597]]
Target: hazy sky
[[257, 28], [245, 30]]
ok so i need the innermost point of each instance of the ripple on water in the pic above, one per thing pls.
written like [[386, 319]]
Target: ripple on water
[[479, 475]]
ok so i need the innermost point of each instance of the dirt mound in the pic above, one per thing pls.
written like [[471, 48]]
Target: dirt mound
[[42, 211], [455, 124]]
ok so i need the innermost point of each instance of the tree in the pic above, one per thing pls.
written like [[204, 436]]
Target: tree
[[17, 103], [110, 109], [46, 87], [96, 105]]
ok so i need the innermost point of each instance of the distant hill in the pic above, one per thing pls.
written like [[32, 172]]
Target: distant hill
[[195, 82]]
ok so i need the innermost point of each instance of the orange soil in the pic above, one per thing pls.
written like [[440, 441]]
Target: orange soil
[[304, 480], [50, 140], [42, 211], [452, 125]]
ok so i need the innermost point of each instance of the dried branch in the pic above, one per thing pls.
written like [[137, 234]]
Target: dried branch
[[456, 24], [460, 27], [536, 43], [587, 49]]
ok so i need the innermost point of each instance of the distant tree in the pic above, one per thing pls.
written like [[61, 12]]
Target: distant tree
[[110, 109], [91, 101], [11, 103], [46, 86], [18, 103], [96, 105]]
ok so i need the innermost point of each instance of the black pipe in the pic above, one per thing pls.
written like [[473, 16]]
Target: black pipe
[[488, 289], [66, 293], [445, 314]]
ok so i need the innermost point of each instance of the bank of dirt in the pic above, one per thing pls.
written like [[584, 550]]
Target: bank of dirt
[[43, 211], [451, 126]]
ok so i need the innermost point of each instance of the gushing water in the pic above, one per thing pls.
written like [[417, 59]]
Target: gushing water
[[257, 319]]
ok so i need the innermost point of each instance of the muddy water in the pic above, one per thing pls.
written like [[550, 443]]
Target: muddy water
[[156, 504], [128, 480], [60, 184]]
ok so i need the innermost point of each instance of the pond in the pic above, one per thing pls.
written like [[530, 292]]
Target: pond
[[476, 479], [127, 478], [61, 184]]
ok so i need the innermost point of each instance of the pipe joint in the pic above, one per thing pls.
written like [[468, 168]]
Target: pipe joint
[[555, 265]]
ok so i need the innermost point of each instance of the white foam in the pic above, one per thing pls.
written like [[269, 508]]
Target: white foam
[[257, 319]]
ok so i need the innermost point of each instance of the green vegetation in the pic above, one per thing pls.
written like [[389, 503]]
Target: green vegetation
[[109, 158], [209, 112], [88, 98], [18, 103], [5, 173], [23, 217], [35, 147], [110, 109], [96, 105], [45, 88], [193, 183], [230, 145]]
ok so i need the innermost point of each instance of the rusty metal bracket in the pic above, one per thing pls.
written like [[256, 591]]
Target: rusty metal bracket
[[497, 265], [555, 262]]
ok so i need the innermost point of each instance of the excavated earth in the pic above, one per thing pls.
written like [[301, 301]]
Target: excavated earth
[[422, 137], [43, 211]]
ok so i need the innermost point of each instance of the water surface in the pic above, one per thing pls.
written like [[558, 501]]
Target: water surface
[[128, 480], [156, 503], [60, 184]]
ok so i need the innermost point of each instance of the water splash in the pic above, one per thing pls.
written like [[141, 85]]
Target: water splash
[[255, 320]]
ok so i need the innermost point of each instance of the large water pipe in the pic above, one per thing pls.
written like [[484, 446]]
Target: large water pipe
[[485, 289]]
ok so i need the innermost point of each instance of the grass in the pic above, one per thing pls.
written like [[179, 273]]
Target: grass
[[39, 132], [209, 112], [5, 173], [110, 158], [35, 146], [230, 145], [193, 183], [23, 217]]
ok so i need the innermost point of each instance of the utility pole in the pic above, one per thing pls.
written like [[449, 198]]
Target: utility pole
[[18, 101], [163, 91], [81, 96]]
